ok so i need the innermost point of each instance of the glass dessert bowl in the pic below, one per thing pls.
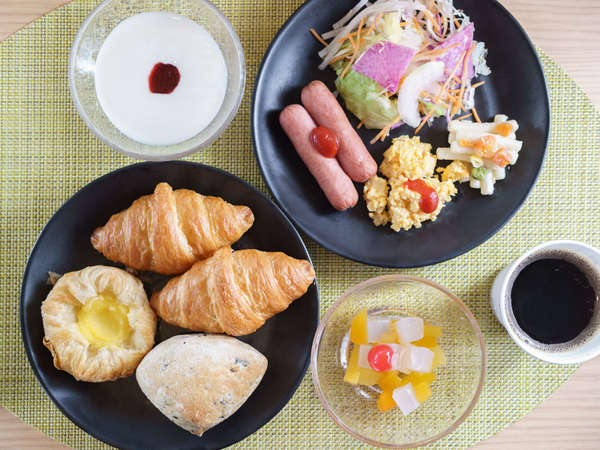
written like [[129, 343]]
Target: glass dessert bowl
[[83, 71], [458, 382]]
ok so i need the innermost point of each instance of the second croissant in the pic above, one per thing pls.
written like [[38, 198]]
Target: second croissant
[[233, 293], [168, 231]]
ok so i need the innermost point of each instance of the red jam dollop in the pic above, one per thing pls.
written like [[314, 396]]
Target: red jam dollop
[[325, 141], [163, 78], [429, 198]]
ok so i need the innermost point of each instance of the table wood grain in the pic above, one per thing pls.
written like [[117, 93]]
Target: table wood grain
[[569, 32]]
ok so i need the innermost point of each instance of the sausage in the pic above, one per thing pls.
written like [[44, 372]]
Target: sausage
[[335, 184], [324, 108]]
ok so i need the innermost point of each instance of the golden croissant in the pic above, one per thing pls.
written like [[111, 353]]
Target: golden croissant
[[233, 293], [168, 231]]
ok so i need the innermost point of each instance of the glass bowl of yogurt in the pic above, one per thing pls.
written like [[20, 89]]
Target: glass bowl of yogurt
[[157, 79], [355, 405]]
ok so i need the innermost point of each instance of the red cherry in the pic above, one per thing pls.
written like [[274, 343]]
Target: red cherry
[[380, 358]]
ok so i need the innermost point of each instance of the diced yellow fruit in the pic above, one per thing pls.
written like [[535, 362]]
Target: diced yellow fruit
[[388, 337], [390, 381], [422, 391], [427, 341], [352, 371], [368, 377], [385, 402], [432, 331], [358, 328], [439, 359], [419, 377]]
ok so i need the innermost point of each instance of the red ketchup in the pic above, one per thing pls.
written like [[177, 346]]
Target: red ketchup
[[325, 141], [380, 358], [163, 78], [429, 197]]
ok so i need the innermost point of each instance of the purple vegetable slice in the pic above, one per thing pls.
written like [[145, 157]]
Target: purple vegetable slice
[[385, 63], [450, 58]]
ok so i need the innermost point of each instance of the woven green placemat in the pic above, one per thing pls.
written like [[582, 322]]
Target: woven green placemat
[[47, 154]]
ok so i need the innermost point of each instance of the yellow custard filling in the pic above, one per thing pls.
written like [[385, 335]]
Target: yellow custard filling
[[103, 321]]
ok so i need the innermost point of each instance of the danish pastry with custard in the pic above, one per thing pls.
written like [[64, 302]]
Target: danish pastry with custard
[[98, 323]]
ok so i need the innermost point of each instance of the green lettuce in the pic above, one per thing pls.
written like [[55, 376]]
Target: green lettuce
[[365, 99]]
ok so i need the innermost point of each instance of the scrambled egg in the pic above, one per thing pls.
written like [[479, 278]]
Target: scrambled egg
[[408, 158], [390, 201], [456, 171]]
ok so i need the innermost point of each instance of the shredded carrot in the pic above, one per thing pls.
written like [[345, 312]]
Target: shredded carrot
[[354, 48], [425, 119], [348, 36], [464, 117], [457, 23], [318, 37], [359, 126], [374, 25], [418, 25], [400, 82], [435, 53], [475, 115], [455, 78], [464, 75], [476, 85], [386, 130], [436, 26], [445, 85], [445, 27], [337, 58], [362, 23]]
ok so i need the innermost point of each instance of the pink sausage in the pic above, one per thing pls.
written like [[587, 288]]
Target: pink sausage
[[334, 183], [324, 108]]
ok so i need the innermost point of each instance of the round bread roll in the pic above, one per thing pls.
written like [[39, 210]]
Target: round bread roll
[[98, 323], [198, 380]]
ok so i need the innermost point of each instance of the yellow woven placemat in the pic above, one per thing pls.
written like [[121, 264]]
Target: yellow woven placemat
[[47, 154]]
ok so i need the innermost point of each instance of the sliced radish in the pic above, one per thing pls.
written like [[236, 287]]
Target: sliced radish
[[418, 80]]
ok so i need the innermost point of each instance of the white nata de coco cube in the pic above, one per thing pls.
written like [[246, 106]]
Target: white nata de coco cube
[[363, 356], [376, 327], [419, 359], [405, 398], [410, 329]]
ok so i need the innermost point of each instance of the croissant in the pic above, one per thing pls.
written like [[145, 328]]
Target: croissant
[[233, 293], [168, 231]]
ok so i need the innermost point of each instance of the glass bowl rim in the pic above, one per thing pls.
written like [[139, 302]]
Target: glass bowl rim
[[325, 320], [240, 88]]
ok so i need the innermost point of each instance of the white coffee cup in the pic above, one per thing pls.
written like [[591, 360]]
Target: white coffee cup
[[584, 347]]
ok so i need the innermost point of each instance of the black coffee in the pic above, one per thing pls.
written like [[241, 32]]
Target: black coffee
[[552, 300]]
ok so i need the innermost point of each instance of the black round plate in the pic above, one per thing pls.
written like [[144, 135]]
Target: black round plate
[[117, 412], [516, 87]]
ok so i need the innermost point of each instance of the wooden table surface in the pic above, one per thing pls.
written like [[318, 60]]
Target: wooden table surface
[[570, 419]]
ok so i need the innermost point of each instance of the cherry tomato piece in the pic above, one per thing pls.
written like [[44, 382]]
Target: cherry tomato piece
[[429, 197], [380, 358], [325, 141]]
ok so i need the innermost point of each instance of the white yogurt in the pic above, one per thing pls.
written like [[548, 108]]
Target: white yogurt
[[124, 64]]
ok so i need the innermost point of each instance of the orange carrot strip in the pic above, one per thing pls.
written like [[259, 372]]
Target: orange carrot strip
[[445, 85], [359, 126], [386, 130], [476, 85], [464, 74], [475, 115], [464, 117], [425, 119], [318, 37]]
